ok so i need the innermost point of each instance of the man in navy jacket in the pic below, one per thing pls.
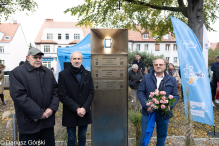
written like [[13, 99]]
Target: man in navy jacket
[[160, 80]]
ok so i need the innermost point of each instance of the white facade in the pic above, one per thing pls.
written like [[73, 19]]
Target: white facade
[[168, 49], [15, 51], [61, 36]]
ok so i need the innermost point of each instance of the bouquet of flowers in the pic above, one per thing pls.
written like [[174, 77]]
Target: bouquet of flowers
[[159, 101]]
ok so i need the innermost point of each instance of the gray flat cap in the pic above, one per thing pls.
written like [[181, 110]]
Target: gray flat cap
[[34, 51]]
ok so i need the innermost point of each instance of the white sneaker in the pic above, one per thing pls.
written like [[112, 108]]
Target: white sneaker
[[216, 101]]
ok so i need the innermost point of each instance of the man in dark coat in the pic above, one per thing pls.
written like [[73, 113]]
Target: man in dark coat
[[76, 92], [33, 89], [160, 80], [214, 86], [141, 65]]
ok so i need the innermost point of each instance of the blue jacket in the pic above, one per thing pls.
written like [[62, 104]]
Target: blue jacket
[[214, 68], [151, 69], [149, 84]]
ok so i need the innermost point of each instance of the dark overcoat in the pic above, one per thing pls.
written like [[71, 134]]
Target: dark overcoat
[[33, 92], [74, 95]]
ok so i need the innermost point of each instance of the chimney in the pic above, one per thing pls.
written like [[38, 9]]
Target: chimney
[[14, 21], [49, 20]]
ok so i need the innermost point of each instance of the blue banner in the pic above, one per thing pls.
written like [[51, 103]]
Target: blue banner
[[194, 74]]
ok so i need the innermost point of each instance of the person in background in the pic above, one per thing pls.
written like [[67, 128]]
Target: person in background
[[135, 77], [173, 72], [217, 76], [141, 65], [167, 63], [210, 75], [146, 70], [214, 85], [151, 68], [22, 62], [52, 69], [2, 67]]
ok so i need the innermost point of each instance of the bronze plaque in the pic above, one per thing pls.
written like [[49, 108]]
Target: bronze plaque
[[109, 84], [109, 73], [109, 61]]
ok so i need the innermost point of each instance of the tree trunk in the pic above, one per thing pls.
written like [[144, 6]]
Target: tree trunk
[[196, 18]]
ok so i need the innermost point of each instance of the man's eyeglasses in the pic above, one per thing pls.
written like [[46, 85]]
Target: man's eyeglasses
[[159, 64], [35, 57]]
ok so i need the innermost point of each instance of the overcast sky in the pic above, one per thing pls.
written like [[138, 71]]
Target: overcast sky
[[53, 9]]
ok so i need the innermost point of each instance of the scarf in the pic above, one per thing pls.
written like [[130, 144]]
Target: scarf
[[77, 70], [171, 72], [150, 128]]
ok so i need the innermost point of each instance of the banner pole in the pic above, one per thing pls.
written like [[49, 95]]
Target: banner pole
[[214, 130]]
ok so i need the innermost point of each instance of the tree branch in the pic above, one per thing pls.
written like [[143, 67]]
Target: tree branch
[[182, 9]]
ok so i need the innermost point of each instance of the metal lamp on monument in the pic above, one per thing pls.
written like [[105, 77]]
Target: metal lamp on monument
[[107, 45]]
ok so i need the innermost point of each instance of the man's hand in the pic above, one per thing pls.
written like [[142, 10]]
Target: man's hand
[[48, 112], [168, 108], [140, 80], [81, 112], [43, 116], [149, 110]]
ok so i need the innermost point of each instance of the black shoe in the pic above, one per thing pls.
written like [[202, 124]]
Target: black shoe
[[4, 103]]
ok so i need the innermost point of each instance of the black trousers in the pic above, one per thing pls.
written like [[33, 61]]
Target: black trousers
[[44, 137], [2, 97], [213, 89]]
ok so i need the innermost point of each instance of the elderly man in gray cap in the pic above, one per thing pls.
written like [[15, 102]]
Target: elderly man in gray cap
[[33, 89]]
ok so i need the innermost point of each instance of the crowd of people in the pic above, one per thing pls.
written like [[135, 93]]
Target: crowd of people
[[36, 96]]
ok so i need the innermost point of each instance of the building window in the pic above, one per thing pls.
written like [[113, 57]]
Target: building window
[[138, 47], [49, 36], [59, 36], [2, 62], [146, 47], [174, 47], [7, 38], [155, 37], [59, 46], [67, 36], [166, 36], [76, 36], [157, 47], [167, 48], [1, 49], [145, 36], [175, 60], [47, 64], [168, 59], [46, 48]]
